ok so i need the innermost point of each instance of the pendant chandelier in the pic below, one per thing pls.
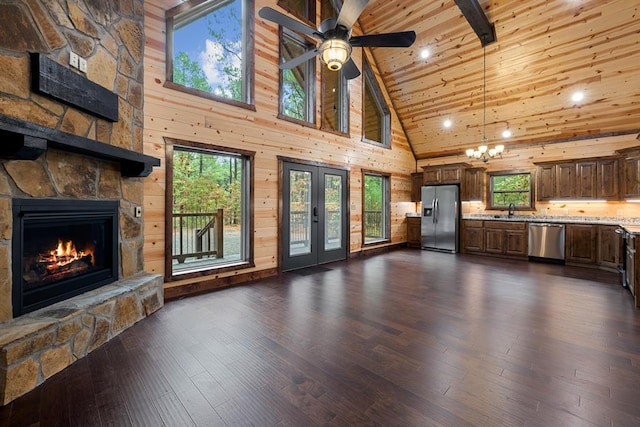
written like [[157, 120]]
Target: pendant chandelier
[[483, 152]]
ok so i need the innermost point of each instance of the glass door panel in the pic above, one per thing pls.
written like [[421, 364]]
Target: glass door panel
[[332, 212], [300, 212]]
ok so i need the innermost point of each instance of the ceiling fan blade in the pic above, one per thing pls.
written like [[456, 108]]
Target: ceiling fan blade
[[301, 59], [401, 39], [292, 24], [351, 10], [350, 70]]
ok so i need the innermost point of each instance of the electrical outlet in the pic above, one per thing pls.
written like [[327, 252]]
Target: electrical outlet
[[138, 211], [82, 64], [73, 59]]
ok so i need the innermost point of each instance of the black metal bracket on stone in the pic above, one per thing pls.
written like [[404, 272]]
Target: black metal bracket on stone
[[23, 140]]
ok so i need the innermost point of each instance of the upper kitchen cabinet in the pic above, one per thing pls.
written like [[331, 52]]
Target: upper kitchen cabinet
[[416, 186], [546, 182], [473, 184], [630, 172], [445, 174], [579, 179]]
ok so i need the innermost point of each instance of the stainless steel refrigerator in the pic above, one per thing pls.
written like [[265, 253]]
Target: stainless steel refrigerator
[[439, 226]]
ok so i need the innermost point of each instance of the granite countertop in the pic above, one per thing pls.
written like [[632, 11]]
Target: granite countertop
[[626, 222]]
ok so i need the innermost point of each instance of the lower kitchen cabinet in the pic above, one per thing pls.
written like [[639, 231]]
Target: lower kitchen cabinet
[[506, 238], [502, 238], [472, 236], [413, 232], [581, 243], [609, 247]]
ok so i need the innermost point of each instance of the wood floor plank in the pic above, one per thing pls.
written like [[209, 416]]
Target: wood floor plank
[[410, 337]]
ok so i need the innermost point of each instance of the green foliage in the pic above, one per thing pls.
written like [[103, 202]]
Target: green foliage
[[189, 73], [373, 197], [513, 188], [205, 182]]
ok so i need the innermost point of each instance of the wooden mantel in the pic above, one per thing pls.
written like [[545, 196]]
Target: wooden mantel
[[27, 141]]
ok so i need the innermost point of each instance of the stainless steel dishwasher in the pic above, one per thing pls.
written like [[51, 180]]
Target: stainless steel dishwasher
[[546, 242]]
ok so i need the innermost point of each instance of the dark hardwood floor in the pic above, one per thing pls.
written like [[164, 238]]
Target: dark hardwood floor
[[409, 338]]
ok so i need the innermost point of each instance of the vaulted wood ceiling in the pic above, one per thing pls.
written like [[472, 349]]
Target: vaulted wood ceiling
[[545, 50]]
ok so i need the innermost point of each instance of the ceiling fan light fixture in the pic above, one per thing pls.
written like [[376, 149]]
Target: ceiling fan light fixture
[[334, 53]]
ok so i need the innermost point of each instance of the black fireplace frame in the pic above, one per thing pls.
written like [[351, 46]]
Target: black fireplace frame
[[61, 209]]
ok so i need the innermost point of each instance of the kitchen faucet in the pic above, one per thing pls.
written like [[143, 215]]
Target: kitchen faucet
[[512, 209]]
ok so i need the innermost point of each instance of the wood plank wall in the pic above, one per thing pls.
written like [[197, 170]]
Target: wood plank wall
[[170, 113]]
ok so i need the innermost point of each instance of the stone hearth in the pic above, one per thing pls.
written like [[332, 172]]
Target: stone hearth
[[40, 344]]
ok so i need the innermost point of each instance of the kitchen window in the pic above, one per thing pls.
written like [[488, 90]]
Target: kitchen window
[[208, 217], [510, 187], [376, 208], [210, 50]]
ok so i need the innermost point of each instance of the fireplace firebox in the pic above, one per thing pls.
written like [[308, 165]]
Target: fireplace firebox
[[61, 248]]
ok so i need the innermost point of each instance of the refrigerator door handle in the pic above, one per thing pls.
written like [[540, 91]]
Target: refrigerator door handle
[[435, 211]]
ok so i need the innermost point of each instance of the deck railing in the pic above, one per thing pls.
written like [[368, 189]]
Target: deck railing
[[196, 235], [373, 224]]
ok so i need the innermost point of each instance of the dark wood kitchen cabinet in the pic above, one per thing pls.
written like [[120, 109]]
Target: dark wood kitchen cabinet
[[546, 182], [413, 231], [585, 179], [609, 246], [473, 184], [608, 184], [416, 187], [472, 236], [444, 174], [630, 173], [505, 238], [581, 243]]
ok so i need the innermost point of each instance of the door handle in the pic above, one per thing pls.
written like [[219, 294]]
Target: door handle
[[315, 214], [436, 211]]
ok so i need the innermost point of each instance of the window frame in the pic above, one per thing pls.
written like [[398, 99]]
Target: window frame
[[386, 209], [196, 7], [247, 215], [342, 101], [381, 103], [310, 84], [491, 175], [310, 5]]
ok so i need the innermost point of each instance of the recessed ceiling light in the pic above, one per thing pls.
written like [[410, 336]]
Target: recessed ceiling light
[[506, 133], [447, 123], [424, 53], [577, 96]]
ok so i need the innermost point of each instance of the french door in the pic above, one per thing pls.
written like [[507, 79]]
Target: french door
[[314, 215]]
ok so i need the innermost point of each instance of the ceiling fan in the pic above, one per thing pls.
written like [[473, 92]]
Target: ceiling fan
[[335, 37]]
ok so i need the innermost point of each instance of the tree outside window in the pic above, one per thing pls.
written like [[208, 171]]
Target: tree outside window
[[210, 50], [376, 208], [297, 84], [507, 188], [210, 200]]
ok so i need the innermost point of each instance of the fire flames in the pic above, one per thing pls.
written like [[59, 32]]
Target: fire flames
[[66, 253]]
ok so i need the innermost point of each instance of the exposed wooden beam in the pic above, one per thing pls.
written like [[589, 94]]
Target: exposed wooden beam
[[472, 10]]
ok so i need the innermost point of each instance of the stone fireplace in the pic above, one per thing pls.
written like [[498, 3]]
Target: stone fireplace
[[61, 248], [60, 158]]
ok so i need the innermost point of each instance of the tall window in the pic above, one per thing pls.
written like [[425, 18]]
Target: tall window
[[510, 187], [297, 95], [208, 216], [376, 116], [335, 101], [209, 49], [376, 204]]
